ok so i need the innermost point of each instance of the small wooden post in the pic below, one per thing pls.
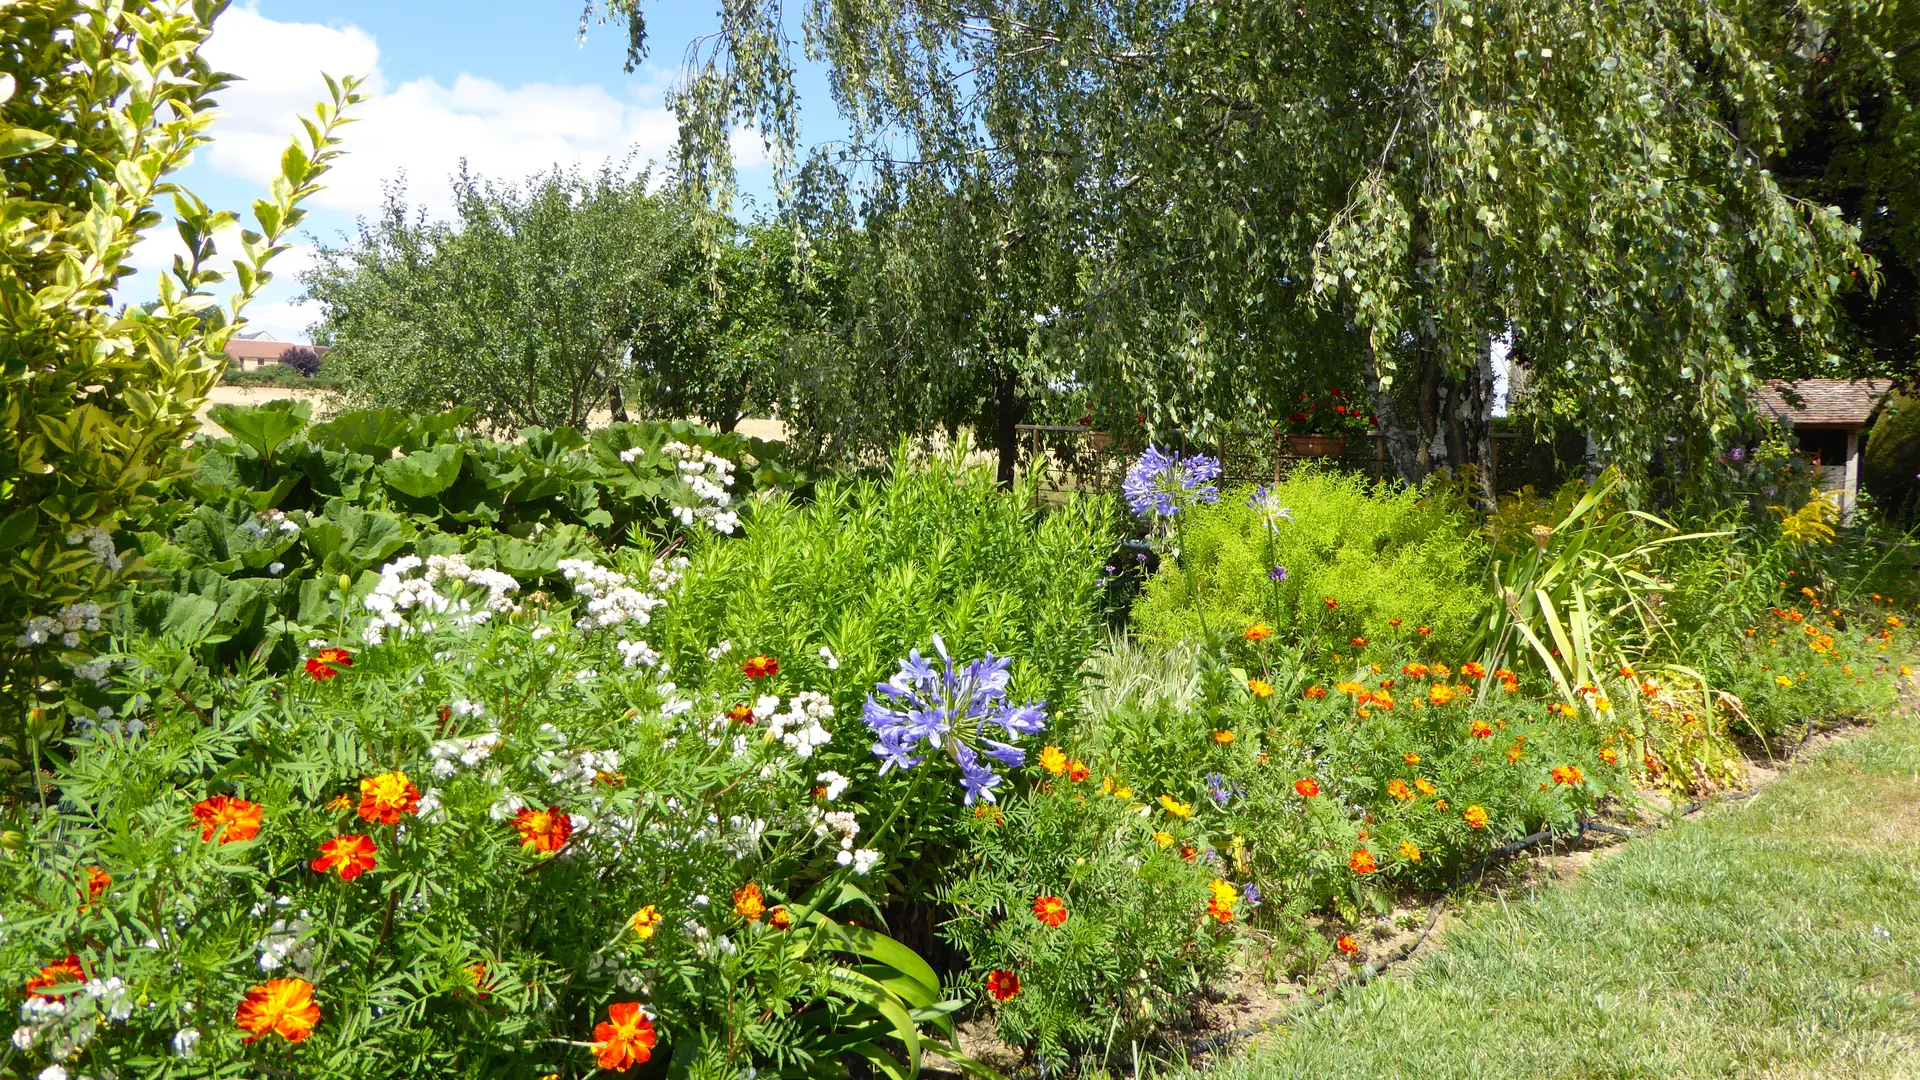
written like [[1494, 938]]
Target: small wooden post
[[1850, 491]]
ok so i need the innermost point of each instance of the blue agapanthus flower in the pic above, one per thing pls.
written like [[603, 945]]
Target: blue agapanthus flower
[[1266, 502], [1251, 894], [1162, 483], [1220, 789], [952, 708]]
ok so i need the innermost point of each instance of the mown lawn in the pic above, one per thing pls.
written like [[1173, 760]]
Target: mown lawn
[[1778, 939]]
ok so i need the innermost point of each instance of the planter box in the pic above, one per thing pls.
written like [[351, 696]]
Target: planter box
[[1100, 441], [1316, 445]]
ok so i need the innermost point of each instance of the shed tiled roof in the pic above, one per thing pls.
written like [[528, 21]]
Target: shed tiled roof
[[240, 348], [1836, 402]]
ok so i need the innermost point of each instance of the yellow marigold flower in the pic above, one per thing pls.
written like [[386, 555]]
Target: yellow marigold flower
[[1223, 737], [1905, 671], [645, 922], [1053, 759], [1176, 807], [1782, 681], [1164, 839], [1398, 789], [1260, 688], [1440, 695], [748, 903], [1411, 758], [1258, 632], [1349, 688], [1475, 817], [1223, 892], [1414, 671], [1424, 786], [1409, 851], [1602, 704]]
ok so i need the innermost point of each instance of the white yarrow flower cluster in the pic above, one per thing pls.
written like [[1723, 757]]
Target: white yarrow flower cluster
[[842, 826], [709, 475], [68, 1026], [99, 544], [397, 595], [615, 602], [799, 727], [451, 755]]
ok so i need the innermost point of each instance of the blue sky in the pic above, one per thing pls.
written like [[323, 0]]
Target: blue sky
[[508, 85]]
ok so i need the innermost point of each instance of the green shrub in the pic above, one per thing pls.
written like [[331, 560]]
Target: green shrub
[[1382, 553]]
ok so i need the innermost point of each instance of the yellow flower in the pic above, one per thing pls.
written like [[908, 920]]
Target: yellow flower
[[1424, 786], [1260, 688], [1602, 704], [1165, 839], [1176, 807], [1053, 759], [1349, 688], [1475, 817], [1409, 851], [1223, 893], [645, 922], [1223, 737], [1412, 759], [1782, 681]]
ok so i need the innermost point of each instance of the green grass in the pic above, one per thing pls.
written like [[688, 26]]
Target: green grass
[[1778, 939]]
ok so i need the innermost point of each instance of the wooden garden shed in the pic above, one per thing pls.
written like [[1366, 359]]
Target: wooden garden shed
[[1829, 418]]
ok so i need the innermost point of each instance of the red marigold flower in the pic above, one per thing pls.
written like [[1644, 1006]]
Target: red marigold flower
[[625, 1039], [327, 663], [385, 797], [741, 713], [747, 902], [283, 1007], [479, 979], [1568, 775], [1331, 603], [1258, 632], [1078, 771], [779, 919], [1609, 755], [1306, 787], [1414, 671], [350, 856], [1050, 910], [1347, 945], [759, 667], [1358, 643], [543, 830], [234, 819], [1002, 984], [58, 973], [1219, 911], [1472, 669], [1480, 729], [1424, 631], [1189, 852], [1361, 861], [97, 882], [1315, 693], [1395, 623]]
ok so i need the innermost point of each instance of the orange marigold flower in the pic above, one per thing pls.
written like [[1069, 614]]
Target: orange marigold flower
[[1002, 984], [741, 713], [385, 797], [1315, 693], [349, 856], [1331, 603], [1414, 671], [1358, 643], [1350, 687], [97, 882], [1053, 759], [543, 830], [645, 922], [1189, 852], [1361, 861], [1258, 632], [779, 919], [1219, 911], [479, 979], [1078, 771], [1475, 817], [625, 1039], [1347, 945], [1424, 631], [1260, 688], [1050, 910], [1514, 753], [1480, 729], [1472, 670], [747, 902], [1568, 775], [1609, 755], [1395, 623], [1163, 838], [1424, 786], [757, 667], [1398, 789], [327, 663], [234, 819], [283, 1007], [1439, 804], [1223, 737], [1439, 694], [1411, 758], [1306, 787], [1409, 851], [58, 973], [342, 801]]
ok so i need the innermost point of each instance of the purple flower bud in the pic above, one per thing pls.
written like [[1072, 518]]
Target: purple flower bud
[[1278, 573]]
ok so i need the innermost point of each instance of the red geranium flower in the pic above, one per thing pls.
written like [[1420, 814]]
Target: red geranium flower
[[1002, 984]]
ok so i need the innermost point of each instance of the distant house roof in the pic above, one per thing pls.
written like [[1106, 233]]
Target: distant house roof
[[1822, 402], [262, 348]]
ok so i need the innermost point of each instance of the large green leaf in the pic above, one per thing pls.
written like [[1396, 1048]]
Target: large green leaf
[[265, 426], [424, 474], [376, 433], [348, 539]]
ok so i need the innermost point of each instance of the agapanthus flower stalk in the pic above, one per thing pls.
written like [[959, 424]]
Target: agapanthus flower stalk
[[952, 708], [1162, 483]]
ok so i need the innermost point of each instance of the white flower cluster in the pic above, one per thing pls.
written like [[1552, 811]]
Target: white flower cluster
[[68, 1025], [843, 826], [397, 594], [579, 770], [287, 944], [99, 544], [799, 727], [614, 602], [268, 522], [66, 626], [451, 755], [631, 454], [709, 475]]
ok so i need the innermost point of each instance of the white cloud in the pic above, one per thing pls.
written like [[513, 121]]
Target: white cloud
[[420, 127]]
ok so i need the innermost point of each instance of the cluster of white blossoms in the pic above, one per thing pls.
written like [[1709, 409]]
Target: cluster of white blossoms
[[397, 595], [615, 602], [65, 626], [99, 544], [709, 476], [451, 755], [268, 522], [67, 1025], [799, 726], [842, 826]]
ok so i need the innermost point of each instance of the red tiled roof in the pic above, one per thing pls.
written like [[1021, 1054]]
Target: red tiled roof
[[1836, 402], [262, 348]]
